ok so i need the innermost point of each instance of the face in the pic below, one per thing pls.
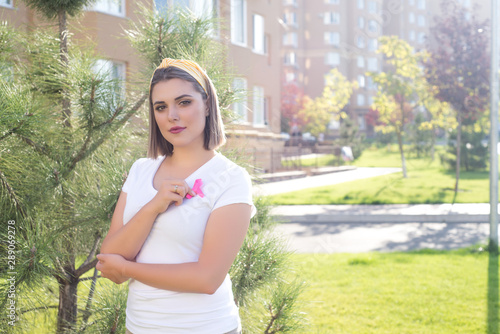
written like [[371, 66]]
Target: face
[[180, 113]]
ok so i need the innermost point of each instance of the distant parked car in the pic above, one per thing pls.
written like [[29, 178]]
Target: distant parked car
[[301, 139]]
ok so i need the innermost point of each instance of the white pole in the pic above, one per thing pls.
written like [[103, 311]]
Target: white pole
[[493, 242]]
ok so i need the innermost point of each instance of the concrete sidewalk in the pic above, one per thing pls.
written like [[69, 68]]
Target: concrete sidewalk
[[367, 228], [280, 187], [448, 213]]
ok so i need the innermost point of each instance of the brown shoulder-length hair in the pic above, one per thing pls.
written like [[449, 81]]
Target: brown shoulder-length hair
[[214, 136]]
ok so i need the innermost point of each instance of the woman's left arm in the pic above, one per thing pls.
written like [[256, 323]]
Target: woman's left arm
[[224, 234]]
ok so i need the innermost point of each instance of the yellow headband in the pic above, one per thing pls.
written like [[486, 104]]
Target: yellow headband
[[189, 66]]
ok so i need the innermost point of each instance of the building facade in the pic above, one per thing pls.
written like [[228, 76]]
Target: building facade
[[321, 34], [250, 30]]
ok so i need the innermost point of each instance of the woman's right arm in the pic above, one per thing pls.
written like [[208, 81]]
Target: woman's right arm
[[127, 240]]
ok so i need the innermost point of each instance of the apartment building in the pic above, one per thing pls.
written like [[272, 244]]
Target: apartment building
[[250, 30], [254, 49], [323, 34]]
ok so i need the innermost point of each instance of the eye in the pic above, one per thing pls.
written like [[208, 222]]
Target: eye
[[159, 108], [185, 102]]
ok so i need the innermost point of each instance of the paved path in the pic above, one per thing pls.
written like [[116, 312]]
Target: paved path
[[364, 228], [368, 237], [321, 180]]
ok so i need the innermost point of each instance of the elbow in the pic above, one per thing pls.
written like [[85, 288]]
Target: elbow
[[210, 284]]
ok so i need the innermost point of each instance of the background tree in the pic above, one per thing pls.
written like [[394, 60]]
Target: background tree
[[401, 89], [61, 174], [292, 101], [318, 113], [459, 67]]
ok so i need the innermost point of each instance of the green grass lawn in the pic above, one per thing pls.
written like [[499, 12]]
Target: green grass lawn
[[427, 182], [421, 292]]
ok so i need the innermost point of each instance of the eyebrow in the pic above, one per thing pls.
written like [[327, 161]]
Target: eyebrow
[[176, 99]]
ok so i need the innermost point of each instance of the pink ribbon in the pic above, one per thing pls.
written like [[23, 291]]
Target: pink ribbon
[[197, 189]]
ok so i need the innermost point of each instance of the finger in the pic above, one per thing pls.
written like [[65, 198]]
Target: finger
[[179, 189], [189, 190], [178, 200]]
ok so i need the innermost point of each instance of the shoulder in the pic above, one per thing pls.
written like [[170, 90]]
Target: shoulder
[[145, 162], [231, 168]]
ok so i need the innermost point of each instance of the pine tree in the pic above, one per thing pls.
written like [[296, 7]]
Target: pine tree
[[64, 153]]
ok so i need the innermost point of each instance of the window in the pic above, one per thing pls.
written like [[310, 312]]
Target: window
[[370, 100], [331, 18], [113, 7], [332, 58], [421, 37], [372, 64], [361, 22], [240, 106], [259, 37], [238, 22], [332, 2], [332, 38], [361, 61], [290, 58], [290, 76], [361, 81], [258, 106], [361, 123], [360, 42], [361, 4], [372, 26], [6, 3], [411, 17], [411, 35], [372, 44], [421, 4], [112, 71], [411, 2], [421, 21], [372, 6], [290, 18], [290, 39], [360, 100], [370, 85], [290, 3]]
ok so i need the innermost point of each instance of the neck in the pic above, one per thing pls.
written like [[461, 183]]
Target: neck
[[188, 156]]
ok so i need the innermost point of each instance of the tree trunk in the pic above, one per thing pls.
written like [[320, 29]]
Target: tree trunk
[[433, 143], [459, 144], [401, 151], [68, 283], [63, 52], [68, 298]]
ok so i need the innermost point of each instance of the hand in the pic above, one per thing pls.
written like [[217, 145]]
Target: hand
[[171, 191], [112, 267]]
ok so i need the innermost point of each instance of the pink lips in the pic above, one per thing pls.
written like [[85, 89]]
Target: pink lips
[[176, 129]]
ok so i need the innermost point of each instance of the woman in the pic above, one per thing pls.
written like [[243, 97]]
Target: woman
[[182, 214]]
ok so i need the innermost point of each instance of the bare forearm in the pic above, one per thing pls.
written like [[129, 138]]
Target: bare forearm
[[183, 277], [128, 240]]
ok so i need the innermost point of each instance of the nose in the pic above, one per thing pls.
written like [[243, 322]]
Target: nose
[[173, 114]]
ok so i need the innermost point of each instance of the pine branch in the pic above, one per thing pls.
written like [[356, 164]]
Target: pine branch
[[38, 148], [88, 263], [88, 278], [84, 268], [87, 312], [86, 152], [273, 319], [12, 195], [37, 308]]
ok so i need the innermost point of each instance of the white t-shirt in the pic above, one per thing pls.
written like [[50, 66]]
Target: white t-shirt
[[177, 237]]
